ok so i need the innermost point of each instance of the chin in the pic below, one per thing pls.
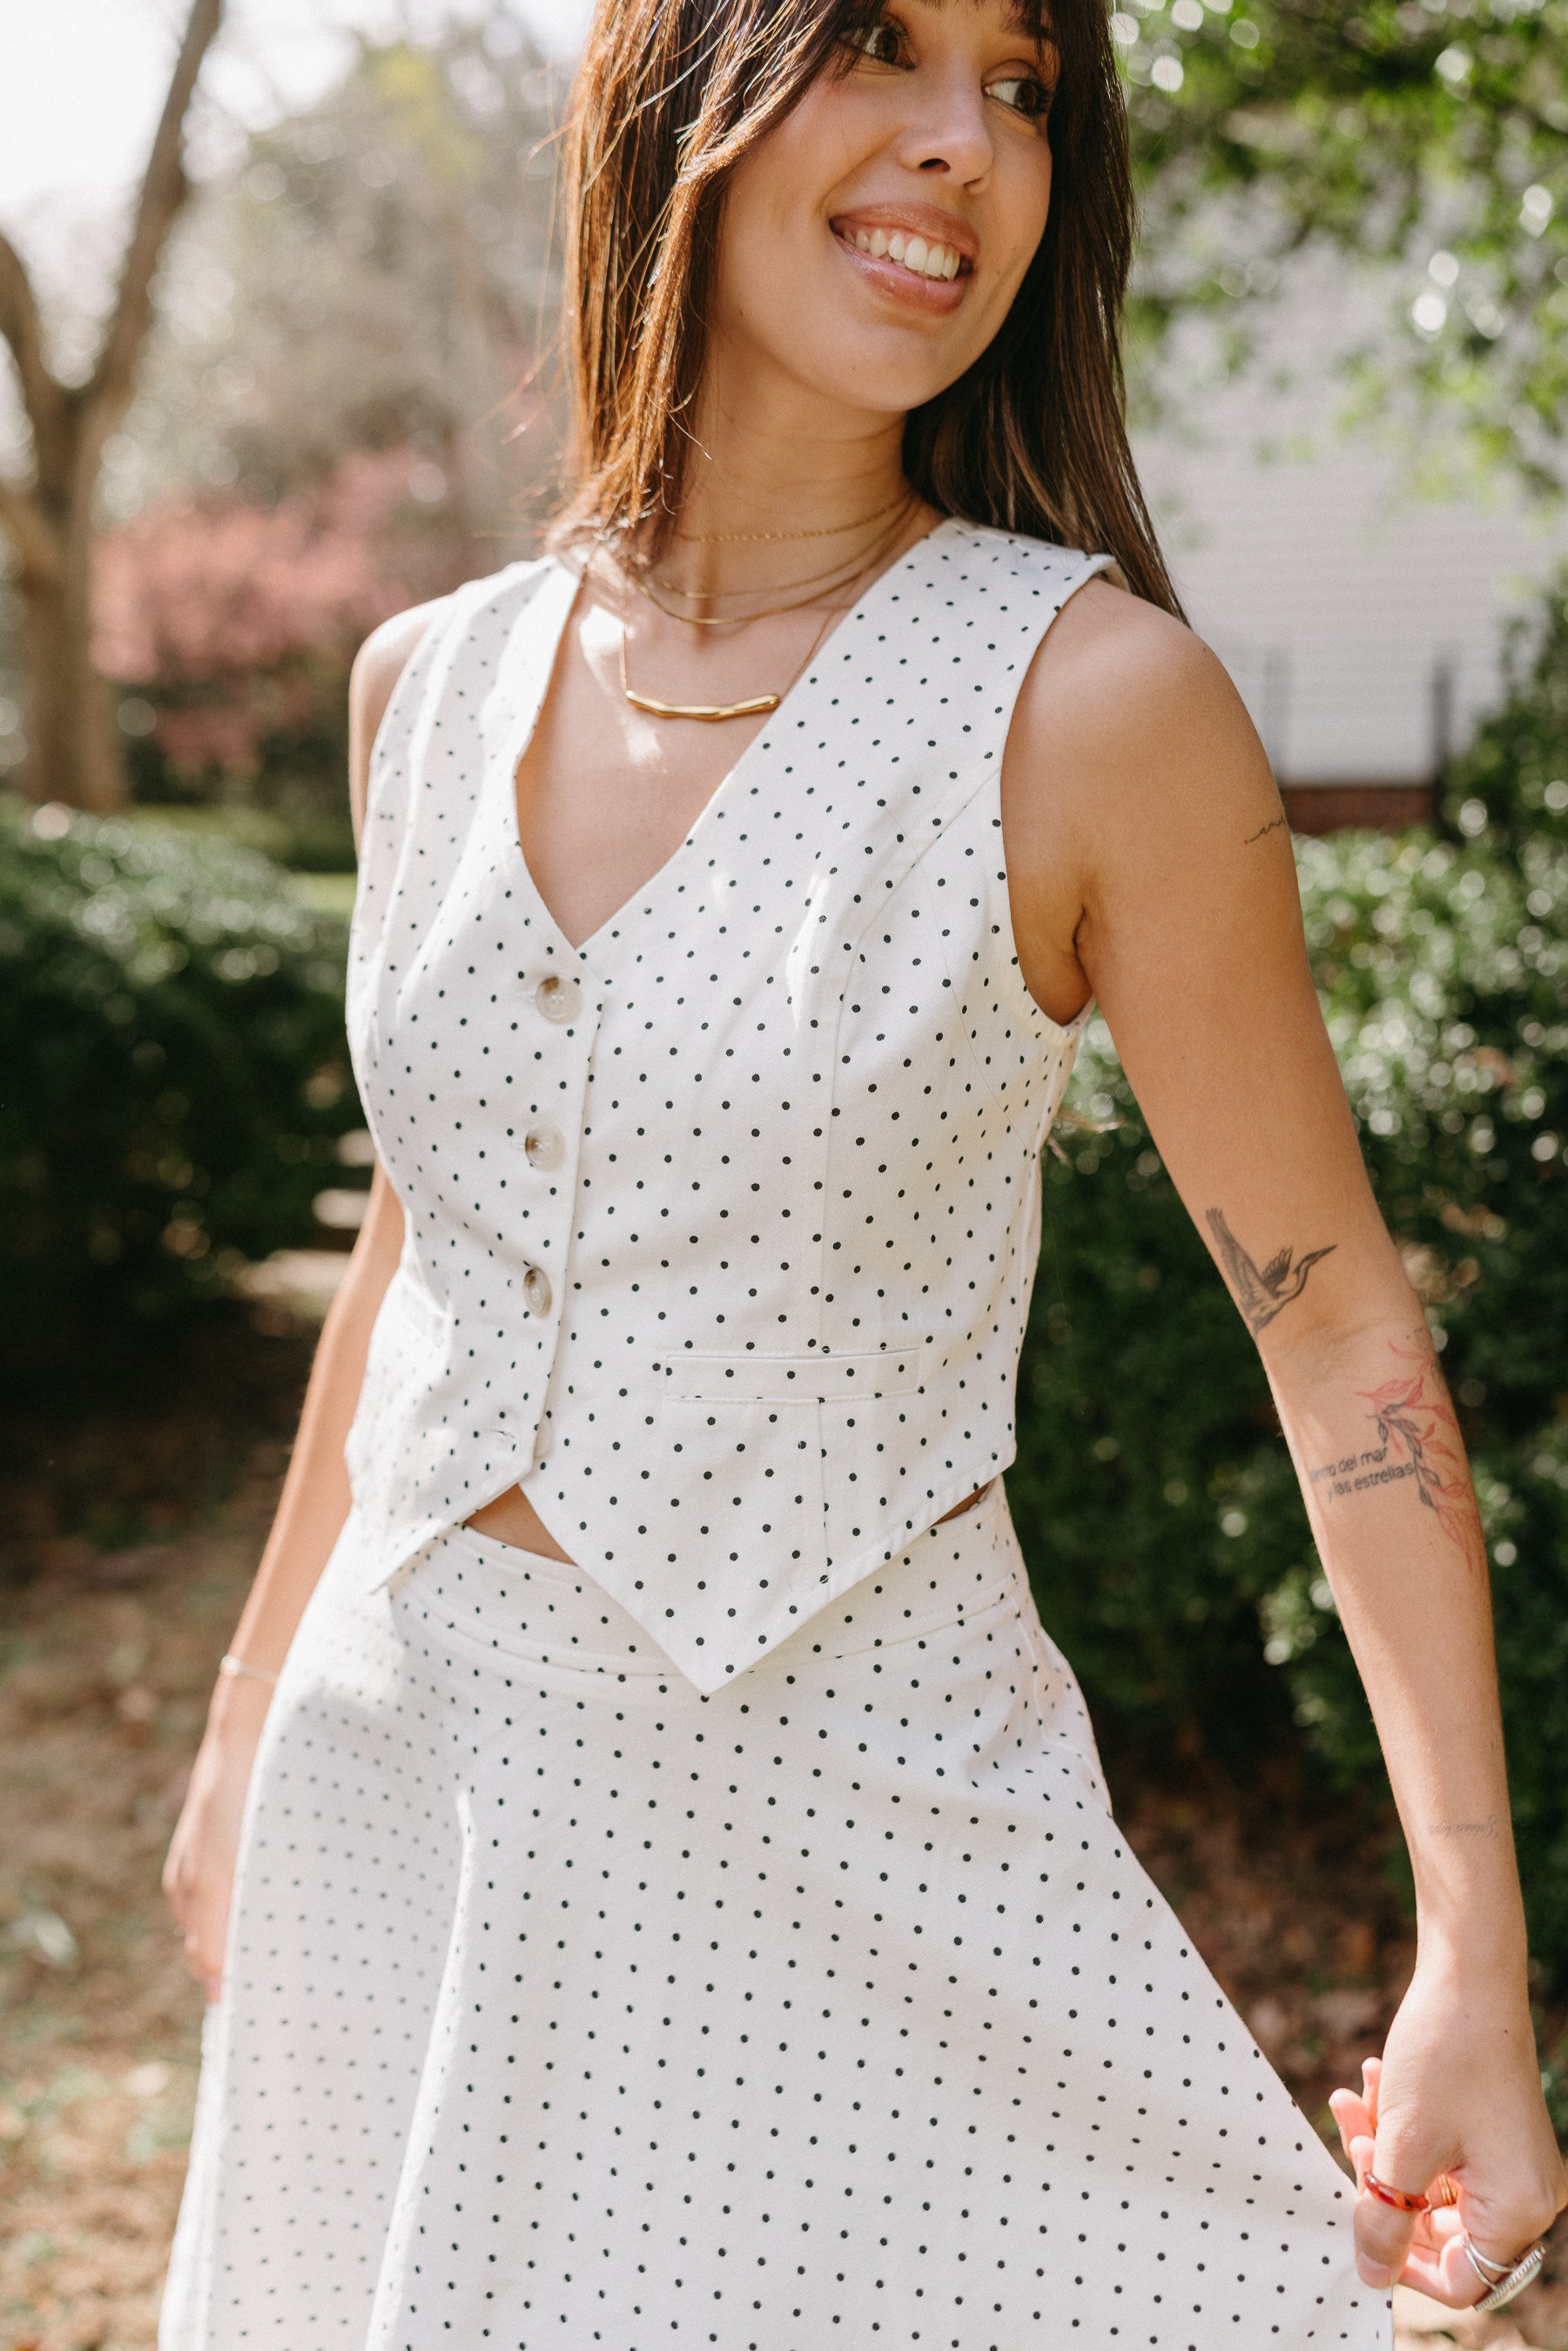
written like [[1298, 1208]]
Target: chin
[[857, 369]]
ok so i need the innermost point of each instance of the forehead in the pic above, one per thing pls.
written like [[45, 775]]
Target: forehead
[[1030, 18]]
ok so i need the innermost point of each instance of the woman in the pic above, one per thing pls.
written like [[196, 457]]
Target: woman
[[676, 1896]]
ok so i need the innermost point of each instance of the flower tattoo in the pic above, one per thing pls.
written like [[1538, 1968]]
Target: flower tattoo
[[1417, 1443]]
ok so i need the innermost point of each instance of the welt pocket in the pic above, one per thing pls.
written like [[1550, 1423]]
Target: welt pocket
[[797, 1379]]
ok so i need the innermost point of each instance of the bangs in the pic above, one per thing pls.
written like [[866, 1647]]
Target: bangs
[[1030, 17], [671, 97]]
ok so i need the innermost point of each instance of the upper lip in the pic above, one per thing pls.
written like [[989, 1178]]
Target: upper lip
[[928, 221]]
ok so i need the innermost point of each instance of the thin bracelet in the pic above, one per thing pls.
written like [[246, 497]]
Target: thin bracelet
[[235, 1669]]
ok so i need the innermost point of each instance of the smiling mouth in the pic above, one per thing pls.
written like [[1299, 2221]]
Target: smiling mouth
[[918, 255]]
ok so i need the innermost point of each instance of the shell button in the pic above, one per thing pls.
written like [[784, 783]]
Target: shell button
[[543, 1147], [538, 1295], [559, 999]]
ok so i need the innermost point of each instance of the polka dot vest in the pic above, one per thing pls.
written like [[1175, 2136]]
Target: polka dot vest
[[721, 1228]]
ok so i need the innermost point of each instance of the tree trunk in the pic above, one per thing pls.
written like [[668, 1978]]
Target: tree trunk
[[74, 752]]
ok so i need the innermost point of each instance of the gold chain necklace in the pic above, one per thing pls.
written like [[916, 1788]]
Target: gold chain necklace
[[760, 537], [807, 589], [839, 574], [757, 705]]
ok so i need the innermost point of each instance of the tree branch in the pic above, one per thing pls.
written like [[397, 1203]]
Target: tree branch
[[29, 532], [23, 329], [164, 191]]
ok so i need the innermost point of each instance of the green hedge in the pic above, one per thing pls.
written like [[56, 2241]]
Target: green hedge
[[1158, 1507], [173, 1074]]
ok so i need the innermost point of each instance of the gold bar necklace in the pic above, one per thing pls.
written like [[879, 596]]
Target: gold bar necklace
[[759, 706]]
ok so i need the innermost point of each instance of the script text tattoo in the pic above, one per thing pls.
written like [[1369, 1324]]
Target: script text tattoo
[[1416, 1444]]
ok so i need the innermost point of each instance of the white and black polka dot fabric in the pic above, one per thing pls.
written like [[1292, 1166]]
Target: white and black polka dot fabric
[[569, 2006], [724, 1941], [721, 1227]]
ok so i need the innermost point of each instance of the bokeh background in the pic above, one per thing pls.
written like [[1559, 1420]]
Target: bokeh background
[[277, 281]]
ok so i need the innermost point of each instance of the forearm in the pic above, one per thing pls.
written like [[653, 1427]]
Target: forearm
[[1372, 1430], [316, 1501]]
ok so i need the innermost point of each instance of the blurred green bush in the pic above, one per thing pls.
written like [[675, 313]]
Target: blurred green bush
[[1155, 1498], [175, 1075]]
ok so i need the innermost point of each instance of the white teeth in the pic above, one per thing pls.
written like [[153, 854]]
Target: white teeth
[[938, 262]]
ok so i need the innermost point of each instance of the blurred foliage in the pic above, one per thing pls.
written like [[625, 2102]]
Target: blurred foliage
[[172, 1036], [235, 625], [1428, 133], [377, 274], [340, 416], [1160, 1511]]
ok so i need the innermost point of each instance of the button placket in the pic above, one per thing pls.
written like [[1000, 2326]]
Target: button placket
[[559, 999]]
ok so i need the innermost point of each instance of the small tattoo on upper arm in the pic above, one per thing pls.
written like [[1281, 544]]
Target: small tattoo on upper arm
[[1272, 826], [1262, 1291]]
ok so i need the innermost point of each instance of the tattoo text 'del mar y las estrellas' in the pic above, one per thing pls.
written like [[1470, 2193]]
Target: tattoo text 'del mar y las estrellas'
[[1416, 1444], [1275, 824], [1261, 1291]]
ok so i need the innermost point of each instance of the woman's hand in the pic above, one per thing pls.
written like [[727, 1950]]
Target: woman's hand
[[198, 1875], [1452, 2109]]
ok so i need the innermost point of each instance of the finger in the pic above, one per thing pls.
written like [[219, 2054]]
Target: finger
[[1439, 2267], [204, 1961], [1356, 2129], [1383, 2239], [1372, 2084]]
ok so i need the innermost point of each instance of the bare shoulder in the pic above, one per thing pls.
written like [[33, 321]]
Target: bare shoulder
[[1131, 769], [378, 665], [1129, 730], [1147, 708]]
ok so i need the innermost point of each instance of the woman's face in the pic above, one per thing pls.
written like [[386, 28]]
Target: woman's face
[[872, 245]]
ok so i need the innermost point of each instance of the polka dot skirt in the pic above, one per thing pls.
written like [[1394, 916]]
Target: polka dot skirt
[[569, 2006]]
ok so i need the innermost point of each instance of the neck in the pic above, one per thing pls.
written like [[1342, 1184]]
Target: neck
[[766, 460]]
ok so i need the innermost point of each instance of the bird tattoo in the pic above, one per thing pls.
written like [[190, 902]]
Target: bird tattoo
[[1262, 1291]]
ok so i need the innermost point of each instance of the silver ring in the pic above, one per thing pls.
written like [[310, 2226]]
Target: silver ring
[[1490, 2273], [1527, 2267]]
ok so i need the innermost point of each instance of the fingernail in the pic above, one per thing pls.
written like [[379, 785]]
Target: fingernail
[[1372, 2272]]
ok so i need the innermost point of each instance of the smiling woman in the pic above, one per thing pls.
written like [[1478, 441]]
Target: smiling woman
[[1016, 418], [677, 1899]]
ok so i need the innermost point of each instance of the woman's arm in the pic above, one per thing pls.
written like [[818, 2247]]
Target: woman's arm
[[1149, 861], [199, 1873]]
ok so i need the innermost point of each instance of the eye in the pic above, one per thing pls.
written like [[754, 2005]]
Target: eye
[[880, 40], [1026, 94]]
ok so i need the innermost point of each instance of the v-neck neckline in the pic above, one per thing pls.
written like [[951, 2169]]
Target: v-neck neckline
[[547, 633]]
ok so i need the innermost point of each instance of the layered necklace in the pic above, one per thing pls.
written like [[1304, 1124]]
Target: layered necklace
[[829, 585]]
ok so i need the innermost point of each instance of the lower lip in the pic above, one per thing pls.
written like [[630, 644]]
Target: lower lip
[[936, 296]]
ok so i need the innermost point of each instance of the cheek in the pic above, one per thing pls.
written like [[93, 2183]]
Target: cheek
[[1024, 206], [780, 197]]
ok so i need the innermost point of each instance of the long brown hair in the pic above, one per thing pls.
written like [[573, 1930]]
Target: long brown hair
[[670, 96]]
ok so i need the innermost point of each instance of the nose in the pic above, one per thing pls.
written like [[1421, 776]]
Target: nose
[[948, 137]]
